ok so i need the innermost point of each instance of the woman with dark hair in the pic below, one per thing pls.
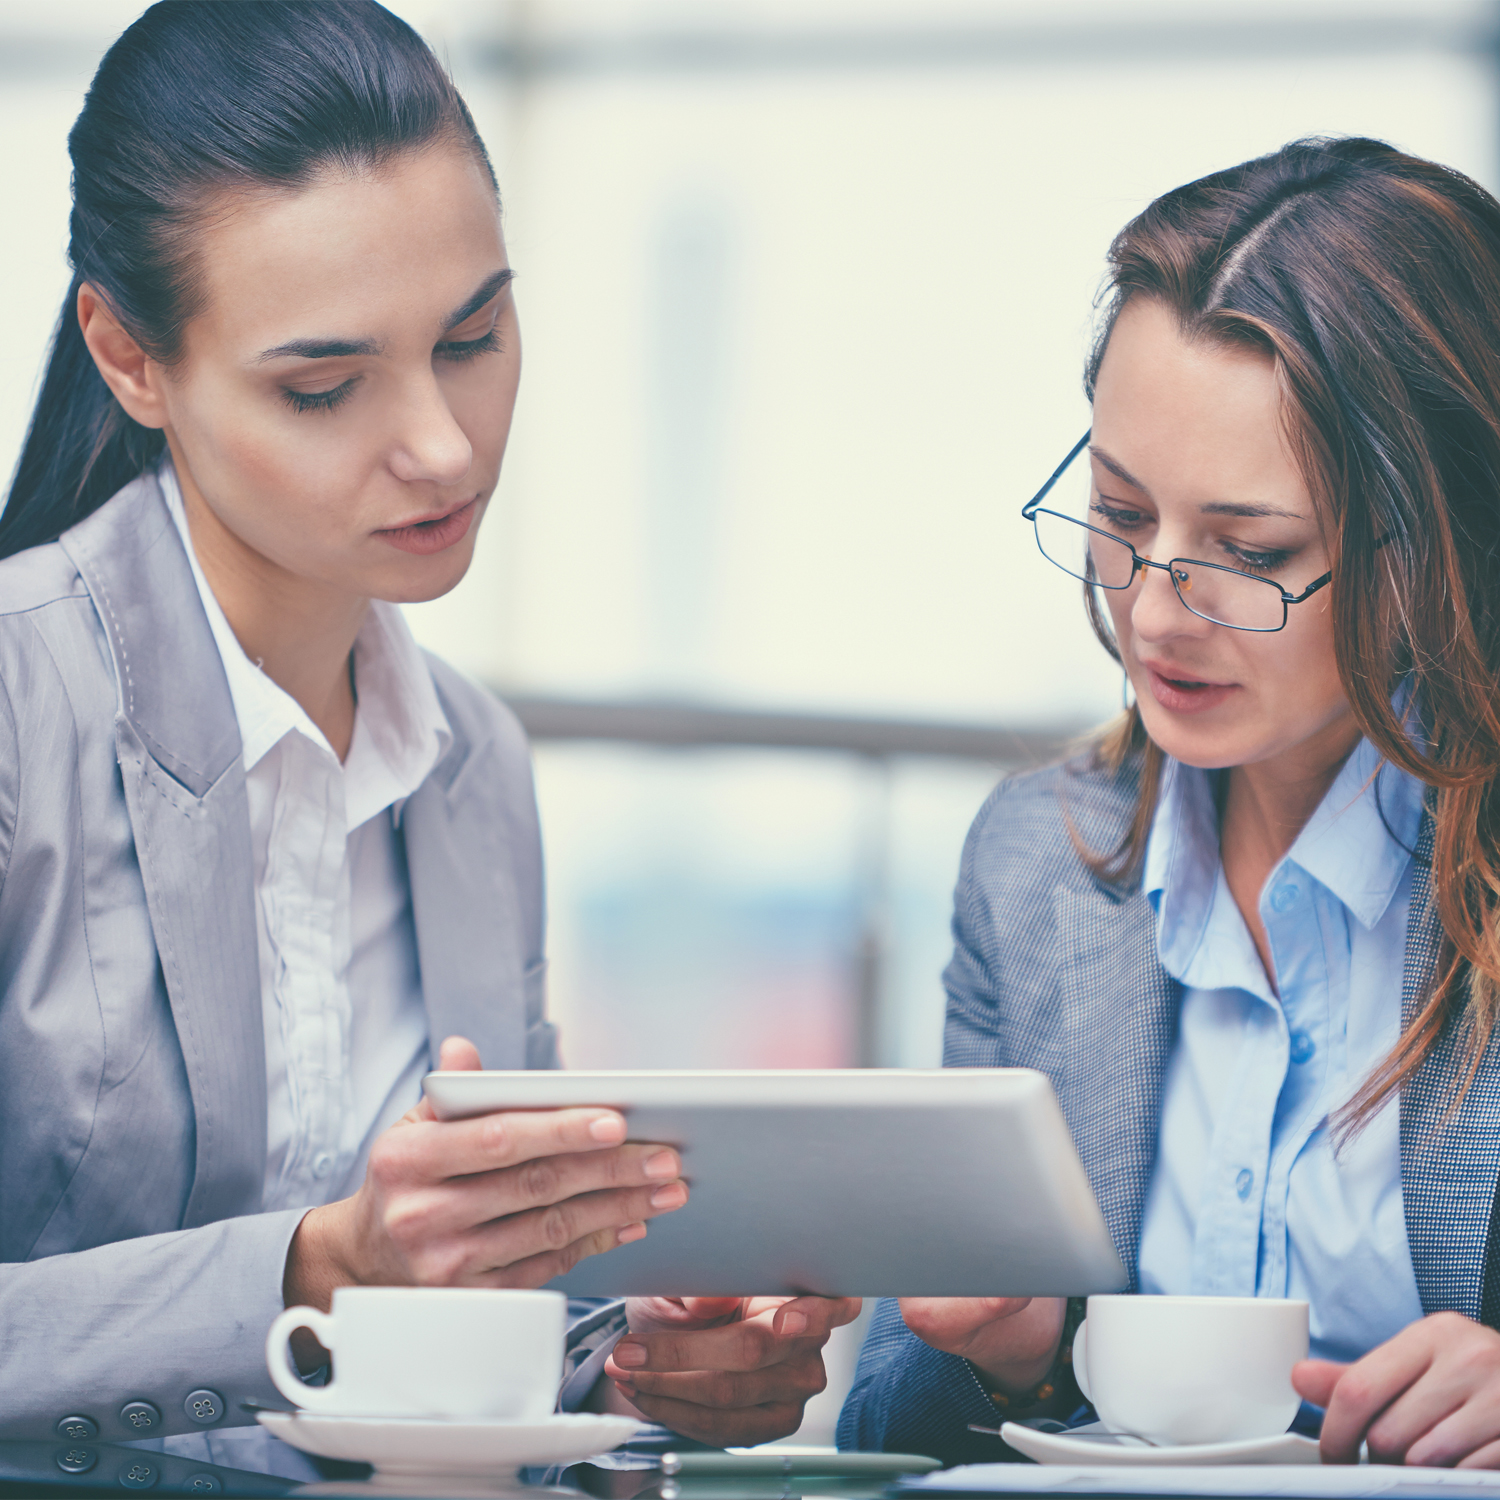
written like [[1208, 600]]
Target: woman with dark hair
[[1254, 935], [261, 860]]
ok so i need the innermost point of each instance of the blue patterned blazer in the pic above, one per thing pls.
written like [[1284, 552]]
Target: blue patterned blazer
[[1053, 969]]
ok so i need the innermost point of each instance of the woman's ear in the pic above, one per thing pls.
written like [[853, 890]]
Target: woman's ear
[[127, 369]]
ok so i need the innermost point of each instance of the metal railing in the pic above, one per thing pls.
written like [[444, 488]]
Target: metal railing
[[665, 722], [678, 725]]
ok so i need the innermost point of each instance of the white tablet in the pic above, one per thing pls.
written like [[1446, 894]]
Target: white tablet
[[858, 1182]]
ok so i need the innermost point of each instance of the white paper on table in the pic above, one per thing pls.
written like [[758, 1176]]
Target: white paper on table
[[1335, 1482]]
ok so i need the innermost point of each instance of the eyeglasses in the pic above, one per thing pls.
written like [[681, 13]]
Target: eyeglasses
[[1223, 596]]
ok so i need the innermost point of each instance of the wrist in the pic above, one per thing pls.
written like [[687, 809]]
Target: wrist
[[315, 1263], [1032, 1386], [1015, 1376], [1019, 1350]]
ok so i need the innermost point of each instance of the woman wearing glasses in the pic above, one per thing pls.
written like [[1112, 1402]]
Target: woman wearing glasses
[[1254, 935]]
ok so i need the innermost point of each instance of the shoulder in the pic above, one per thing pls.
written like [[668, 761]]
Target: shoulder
[[37, 577], [482, 725], [1027, 836], [50, 629], [1025, 850]]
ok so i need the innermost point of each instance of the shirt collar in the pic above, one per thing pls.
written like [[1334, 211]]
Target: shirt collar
[[1358, 842], [264, 711], [1181, 870], [400, 730], [1356, 845]]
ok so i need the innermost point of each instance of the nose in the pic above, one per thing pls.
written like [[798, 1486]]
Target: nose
[[1157, 614], [429, 445]]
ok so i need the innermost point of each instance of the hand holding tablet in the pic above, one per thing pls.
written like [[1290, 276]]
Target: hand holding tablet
[[508, 1202]]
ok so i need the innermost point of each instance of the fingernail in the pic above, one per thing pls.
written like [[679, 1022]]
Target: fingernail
[[793, 1323], [625, 1388], [630, 1356], [671, 1196], [630, 1233], [608, 1128], [663, 1164]]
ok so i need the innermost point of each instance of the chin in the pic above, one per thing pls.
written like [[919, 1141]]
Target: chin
[[419, 580], [1205, 747]]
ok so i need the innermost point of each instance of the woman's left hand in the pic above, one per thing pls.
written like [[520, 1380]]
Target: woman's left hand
[[1429, 1396], [726, 1370]]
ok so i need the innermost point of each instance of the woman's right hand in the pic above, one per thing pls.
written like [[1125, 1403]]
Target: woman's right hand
[[1011, 1341], [504, 1200]]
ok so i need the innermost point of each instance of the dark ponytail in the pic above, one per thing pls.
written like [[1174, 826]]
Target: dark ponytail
[[201, 97]]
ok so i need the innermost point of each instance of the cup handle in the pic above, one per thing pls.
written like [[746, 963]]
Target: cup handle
[[279, 1361], [1080, 1360]]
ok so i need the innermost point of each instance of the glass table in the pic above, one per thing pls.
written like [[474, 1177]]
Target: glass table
[[83, 1471]]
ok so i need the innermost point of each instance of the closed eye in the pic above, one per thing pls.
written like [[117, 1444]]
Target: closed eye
[[1254, 560], [462, 349], [1119, 517], [320, 400]]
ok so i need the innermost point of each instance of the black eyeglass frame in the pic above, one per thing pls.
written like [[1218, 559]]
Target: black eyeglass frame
[[1032, 506]]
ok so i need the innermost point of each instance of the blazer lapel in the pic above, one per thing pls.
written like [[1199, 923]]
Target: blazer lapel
[[179, 753], [467, 912], [1450, 1159], [1119, 1013]]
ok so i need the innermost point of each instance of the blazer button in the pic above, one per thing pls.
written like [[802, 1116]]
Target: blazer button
[[204, 1406], [139, 1476], [140, 1415], [78, 1429], [76, 1460], [202, 1484]]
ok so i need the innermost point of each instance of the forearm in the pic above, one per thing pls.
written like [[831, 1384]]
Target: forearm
[[151, 1319]]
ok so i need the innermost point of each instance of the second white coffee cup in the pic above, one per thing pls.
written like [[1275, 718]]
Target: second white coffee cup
[[1177, 1370], [443, 1353]]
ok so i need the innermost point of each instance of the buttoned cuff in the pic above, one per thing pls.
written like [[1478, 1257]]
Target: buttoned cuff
[[595, 1330]]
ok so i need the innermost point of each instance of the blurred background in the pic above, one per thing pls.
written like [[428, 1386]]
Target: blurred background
[[805, 287]]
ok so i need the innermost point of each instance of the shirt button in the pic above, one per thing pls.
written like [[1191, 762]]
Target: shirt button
[[1303, 1047], [1284, 897], [322, 1165], [1244, 1182]]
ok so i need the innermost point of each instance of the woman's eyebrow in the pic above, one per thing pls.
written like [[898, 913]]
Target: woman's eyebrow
[[320, 349], [1239, 508], [1210, 508], [1118, 470], [487, 289], [348, 348]]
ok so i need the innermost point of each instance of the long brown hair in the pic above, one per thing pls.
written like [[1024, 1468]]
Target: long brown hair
[[1372, 279]]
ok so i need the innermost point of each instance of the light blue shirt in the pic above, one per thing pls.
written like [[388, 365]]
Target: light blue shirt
[[1247, 1197]]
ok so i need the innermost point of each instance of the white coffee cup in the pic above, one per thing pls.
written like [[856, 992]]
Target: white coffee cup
[[446, 1353], [1176, 1370]]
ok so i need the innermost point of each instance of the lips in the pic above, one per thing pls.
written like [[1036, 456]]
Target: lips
[[1183, 692], [434, 533]]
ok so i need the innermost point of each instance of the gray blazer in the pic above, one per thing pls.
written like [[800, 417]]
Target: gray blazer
[[1054, 970], [135, 1265]]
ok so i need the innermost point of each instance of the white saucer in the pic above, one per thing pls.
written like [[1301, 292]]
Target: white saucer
[[404, 1445], [1096, 1444]]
